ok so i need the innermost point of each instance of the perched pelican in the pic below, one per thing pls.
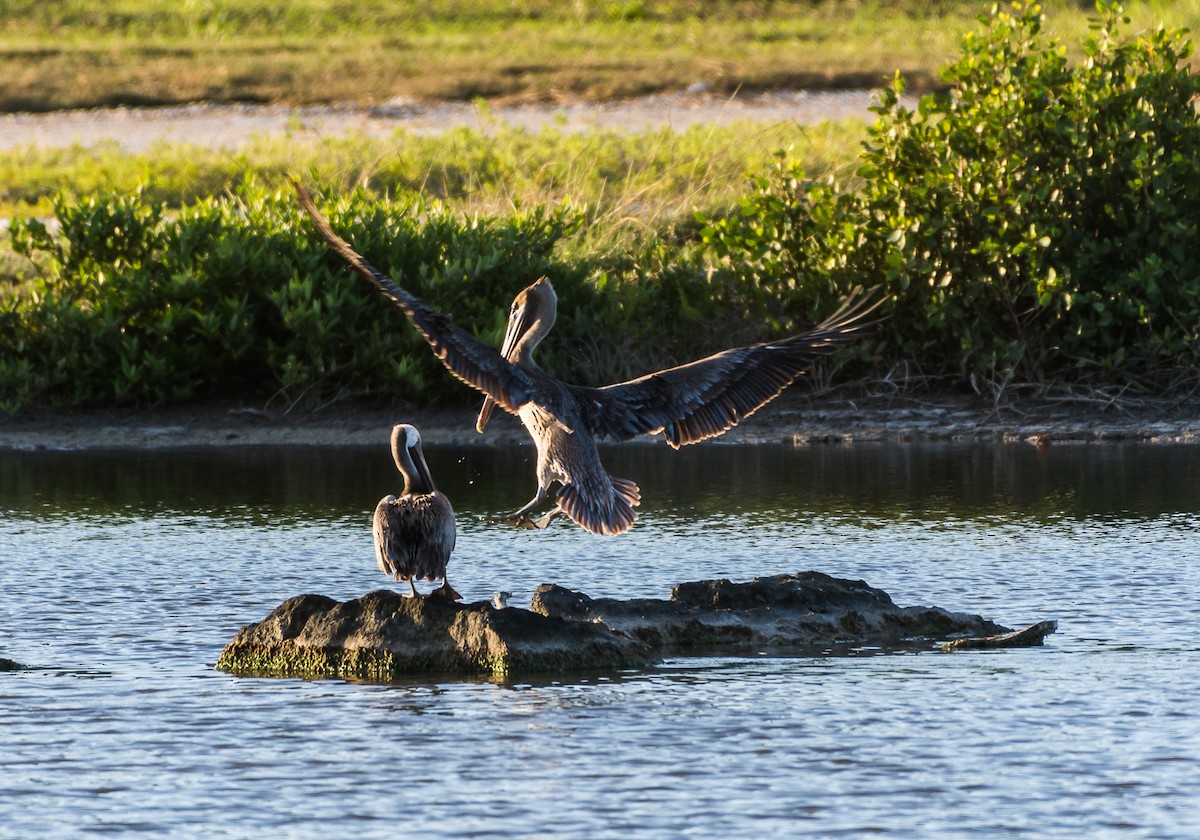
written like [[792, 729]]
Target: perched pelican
[[414, 533], [688, 403]]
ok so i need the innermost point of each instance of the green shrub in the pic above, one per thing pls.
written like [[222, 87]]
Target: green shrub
[[1035, 221], [237, 297]]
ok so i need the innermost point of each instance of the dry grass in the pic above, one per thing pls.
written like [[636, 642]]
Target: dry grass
[[81, 53]]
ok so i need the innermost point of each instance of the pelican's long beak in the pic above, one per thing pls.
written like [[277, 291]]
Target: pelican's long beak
[[518, 325], [485, 414], [423, 473]]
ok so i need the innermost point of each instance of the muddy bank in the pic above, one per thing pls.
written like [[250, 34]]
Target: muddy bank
[[795, 418]]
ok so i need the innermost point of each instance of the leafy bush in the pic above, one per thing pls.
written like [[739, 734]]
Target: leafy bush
[[1034, 221], [238, 297]]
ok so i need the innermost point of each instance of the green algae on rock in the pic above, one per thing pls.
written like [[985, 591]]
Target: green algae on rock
[[384, 636]]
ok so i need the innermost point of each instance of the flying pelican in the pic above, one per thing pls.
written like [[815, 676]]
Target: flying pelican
[[414, 533], [688, 403]]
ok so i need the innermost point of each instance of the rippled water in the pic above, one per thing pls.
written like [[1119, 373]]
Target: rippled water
[[122, 575]]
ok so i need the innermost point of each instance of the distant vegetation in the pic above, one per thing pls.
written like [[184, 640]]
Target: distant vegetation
[[85, 53], [1034, 226], [233, 297], [644, 175], [1038, 223]]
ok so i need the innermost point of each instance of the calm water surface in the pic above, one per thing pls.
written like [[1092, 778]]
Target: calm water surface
[[122, 575]]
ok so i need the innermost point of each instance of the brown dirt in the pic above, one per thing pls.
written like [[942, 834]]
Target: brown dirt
[[795, 418]]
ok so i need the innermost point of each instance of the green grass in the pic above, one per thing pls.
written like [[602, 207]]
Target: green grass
[[83, 53], [630, 178]]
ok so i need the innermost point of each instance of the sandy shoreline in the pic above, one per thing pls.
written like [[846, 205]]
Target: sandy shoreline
[[795, 419], [225, 126]]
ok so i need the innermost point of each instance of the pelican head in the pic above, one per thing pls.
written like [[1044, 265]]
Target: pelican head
[[530, 319], [410, 460]]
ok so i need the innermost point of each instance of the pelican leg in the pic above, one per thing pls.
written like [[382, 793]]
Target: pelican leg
[[413, 587]]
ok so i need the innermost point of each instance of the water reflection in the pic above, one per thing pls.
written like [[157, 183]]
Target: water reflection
[[123, 574], [874, 482]]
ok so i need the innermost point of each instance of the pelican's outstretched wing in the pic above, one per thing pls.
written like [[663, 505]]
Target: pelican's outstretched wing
[[707, 397], [465, 356]]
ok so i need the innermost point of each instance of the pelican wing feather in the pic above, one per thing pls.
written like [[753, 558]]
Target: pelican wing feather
[[707, 397], [464, 355]]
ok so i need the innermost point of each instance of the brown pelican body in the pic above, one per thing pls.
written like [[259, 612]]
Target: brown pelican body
[[414, 532], [688, 403], [567, 454]]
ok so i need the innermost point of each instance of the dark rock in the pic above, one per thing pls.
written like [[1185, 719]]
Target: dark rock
[[383, 635], [9, 665], [808, 609], [1032, 635]]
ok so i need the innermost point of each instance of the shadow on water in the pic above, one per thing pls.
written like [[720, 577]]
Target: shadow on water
[[878, 482]]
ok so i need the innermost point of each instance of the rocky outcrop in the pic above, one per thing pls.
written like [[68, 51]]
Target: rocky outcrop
[[383, 635], [804, 610], [1031, 636], [9, 665]]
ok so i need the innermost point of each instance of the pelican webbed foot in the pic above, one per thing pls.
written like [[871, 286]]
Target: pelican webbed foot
[[445, 591], [546, 518], [517, 520], [521, 519]]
